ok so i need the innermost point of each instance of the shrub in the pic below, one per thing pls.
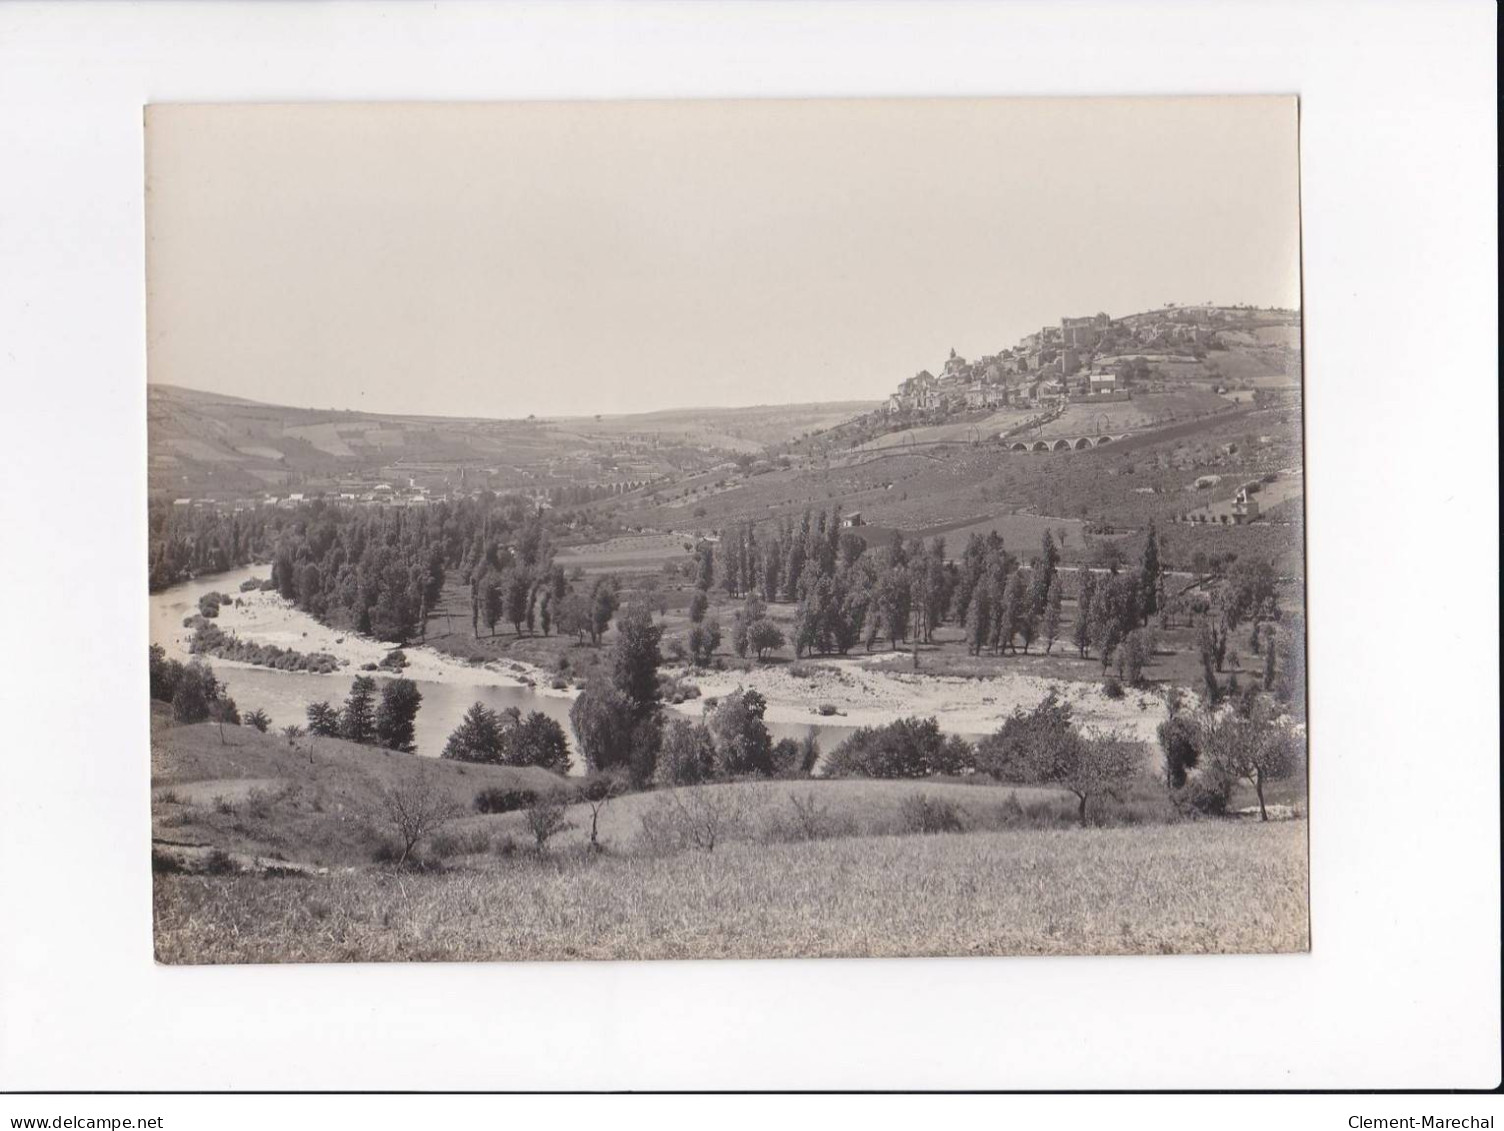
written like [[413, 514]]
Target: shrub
[[1206, 794], [466, 842], [546, 819], [416, 809], [165, 863], [921, 813], [1178, 736], [787, 758], [906, 748], [1042, 813], [258, 719], [1112, 688], [259, 804], [807, 819], [219, 863], [699, 817], [498, 800]]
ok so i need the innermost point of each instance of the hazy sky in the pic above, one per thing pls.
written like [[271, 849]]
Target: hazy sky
[[570, 258]]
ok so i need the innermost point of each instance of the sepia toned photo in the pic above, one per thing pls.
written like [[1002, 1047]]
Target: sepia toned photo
[[670, 530]]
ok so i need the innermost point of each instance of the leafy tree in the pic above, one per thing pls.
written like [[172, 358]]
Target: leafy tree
[[1052, 615], [1178, 737], [396, 715], [492, 601], [1108, 554], [604, 602], [1026, 626], [1149, 576], [1258, 749], [785, 757], [597, 792], [223, 711], [1044, 574], [357, 720], [742, 742], [517, 591], [603, 722], [1250, 591], [703, 640], [809, 752], [979, 619], [635, 660], [539, 741], [478, 738], [1044, 749], [194, 694], [687, 753], [698, 604], [1083, 631], [705, 565], [163, 674], [323, 720], [763, 636], [574, 617], [904, 748], [1207, 645], [1132, 654], [416, 808], [894, 600], [1013, 747]]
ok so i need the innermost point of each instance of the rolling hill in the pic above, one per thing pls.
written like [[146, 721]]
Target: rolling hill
[[206, 444]]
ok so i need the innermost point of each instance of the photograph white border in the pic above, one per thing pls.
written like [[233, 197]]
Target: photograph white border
[[1401, 988]]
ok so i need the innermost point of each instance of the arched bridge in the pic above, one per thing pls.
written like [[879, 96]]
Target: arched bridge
[[1063, 444]]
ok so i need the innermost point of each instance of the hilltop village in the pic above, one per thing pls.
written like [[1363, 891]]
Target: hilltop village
[[1094, 357]]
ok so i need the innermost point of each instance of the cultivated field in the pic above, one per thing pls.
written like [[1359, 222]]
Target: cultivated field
[[628, 554], [1143, 411]]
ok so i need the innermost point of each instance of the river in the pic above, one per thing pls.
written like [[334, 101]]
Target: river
[[449, 687]]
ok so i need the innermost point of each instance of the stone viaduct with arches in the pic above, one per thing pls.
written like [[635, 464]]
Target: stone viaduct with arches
[[1062, 444]]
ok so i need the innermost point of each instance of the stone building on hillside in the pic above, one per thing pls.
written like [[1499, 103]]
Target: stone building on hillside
[[1083, 333]]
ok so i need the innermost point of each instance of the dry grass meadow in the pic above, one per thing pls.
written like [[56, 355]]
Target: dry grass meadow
[[265, 854], [1235, 886]]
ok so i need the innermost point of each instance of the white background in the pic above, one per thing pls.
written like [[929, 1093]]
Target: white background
[[1402, 986]]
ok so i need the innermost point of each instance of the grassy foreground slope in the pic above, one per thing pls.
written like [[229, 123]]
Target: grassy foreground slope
[[314, 801], [1195, 888], [301, 820]]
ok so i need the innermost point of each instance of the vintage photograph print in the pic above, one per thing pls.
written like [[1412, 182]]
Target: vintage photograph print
[[775, 529]]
